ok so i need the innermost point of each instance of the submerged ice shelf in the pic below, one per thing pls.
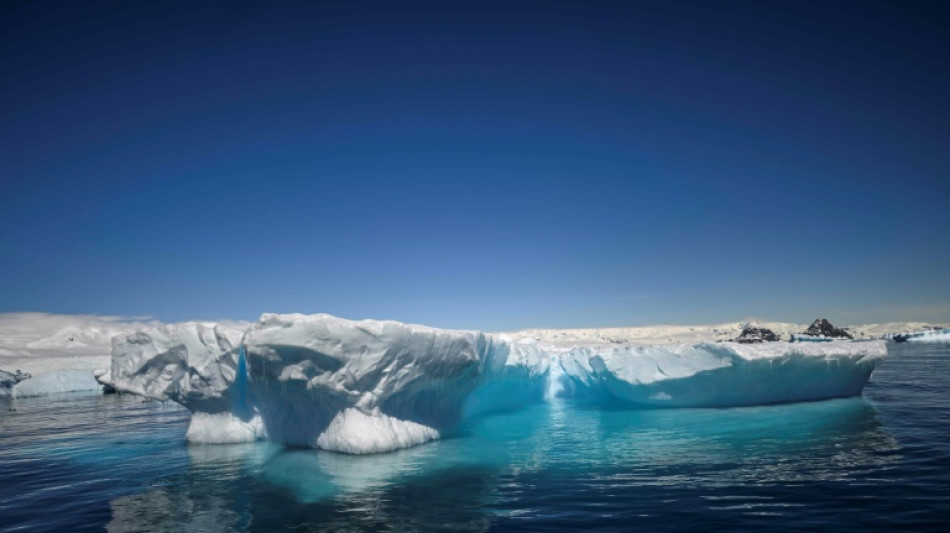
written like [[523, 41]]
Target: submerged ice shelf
[[375, 386]]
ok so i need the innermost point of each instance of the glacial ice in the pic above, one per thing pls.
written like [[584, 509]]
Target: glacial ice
[[937, 335], [375, 386], [7, 381], [184, 362], [353, 431], [722, 374], [56, 382], [223, 428]]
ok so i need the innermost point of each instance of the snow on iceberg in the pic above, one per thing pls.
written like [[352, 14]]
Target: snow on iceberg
[[224, 428], [188, 363], [375, 386], [57, 382]]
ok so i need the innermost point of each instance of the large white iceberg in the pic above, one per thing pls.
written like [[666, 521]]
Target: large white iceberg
[[374, 386]]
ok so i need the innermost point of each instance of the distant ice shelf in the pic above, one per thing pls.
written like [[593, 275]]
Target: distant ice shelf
[[375, 386]]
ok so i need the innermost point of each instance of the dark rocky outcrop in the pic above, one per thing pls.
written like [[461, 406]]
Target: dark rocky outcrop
[[821, 326], [754, 334]]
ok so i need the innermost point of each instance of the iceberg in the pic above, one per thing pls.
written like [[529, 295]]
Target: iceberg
[[55, 383], [375, 386], [722, 374], [936, 335], [7, 381], [322, 381]]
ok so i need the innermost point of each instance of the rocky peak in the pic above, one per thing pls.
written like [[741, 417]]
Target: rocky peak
[[754, 334], [821, 326]]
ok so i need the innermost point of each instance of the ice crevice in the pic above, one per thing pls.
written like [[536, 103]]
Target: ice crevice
[[375, 386]]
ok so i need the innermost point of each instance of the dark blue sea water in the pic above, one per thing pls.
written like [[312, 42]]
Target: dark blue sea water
[[880, 462]]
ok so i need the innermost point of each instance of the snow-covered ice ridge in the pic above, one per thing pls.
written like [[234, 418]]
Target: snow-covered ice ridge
[[375, 386]]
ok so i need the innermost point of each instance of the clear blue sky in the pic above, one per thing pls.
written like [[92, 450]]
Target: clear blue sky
[[489, 165]]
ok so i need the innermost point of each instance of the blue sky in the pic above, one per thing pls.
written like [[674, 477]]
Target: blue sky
[[490, 165]]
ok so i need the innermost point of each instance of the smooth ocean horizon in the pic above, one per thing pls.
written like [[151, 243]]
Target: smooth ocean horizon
[[880, 461]]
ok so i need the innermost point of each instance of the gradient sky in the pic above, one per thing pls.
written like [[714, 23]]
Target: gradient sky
[[491, 165]]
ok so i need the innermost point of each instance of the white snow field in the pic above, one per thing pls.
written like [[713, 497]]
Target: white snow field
[[44, 342], [375, 386]]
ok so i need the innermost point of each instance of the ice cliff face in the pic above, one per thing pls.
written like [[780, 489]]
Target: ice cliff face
[[191, 363], [374, 386]]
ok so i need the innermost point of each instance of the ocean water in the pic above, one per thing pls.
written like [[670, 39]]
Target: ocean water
[[878, 462]]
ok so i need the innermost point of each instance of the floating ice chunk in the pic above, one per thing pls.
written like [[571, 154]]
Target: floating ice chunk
[[939, 335], [224, 428], [57, 382], [353, 431]]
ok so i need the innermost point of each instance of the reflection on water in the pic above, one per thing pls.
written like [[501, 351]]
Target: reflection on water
[[502, 466], [64, 457], [170, 509], [836, 439]]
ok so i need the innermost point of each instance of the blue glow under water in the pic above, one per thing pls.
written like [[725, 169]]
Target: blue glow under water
[[879, 462]]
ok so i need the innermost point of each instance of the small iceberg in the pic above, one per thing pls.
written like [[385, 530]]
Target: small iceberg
[[936, 335], [57, 382]]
